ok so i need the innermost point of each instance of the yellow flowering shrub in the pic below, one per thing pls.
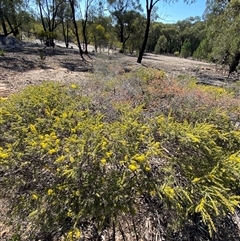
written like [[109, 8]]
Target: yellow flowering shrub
[[202, 165], [71, 162], [151, 149]]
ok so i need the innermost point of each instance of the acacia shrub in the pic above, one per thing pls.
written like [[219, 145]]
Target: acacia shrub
[[73, 164], [193, 108], [201, 171], [63, 164]]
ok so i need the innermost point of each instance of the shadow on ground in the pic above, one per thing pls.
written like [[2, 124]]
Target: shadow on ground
[[26, 58]]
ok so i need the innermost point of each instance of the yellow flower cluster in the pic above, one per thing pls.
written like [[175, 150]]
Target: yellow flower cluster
[[49, 142], [3, 155], [50, 192], [73, 235], [169, 192]]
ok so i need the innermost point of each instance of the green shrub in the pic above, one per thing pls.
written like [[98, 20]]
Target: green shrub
[[2, 52], [67, 163], [46, 35], [202, 166], [176, 53]]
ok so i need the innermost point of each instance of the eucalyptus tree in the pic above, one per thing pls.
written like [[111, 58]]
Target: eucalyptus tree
[[132, 19], [73, 7], [150, 7], [161, 45], [171, 32], [28, 23], [87, 10], [133, 43], [222, 42], [191, 33], [122, 11], [9, 16], [49, 10], [65, 17], [99, 36], [101, 33]]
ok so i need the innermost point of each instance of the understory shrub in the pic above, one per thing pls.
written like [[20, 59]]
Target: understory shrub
[[63, 164], [148, 173]]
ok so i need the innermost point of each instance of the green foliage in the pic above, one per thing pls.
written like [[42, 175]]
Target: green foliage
[[99, 37], [46, 35], [173, 36], [203, 162], [161, 45], [136, 28], [221, 42], [2, 52], [185, 49]]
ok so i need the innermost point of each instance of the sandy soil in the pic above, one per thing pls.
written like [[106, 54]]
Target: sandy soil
[[31, 64]]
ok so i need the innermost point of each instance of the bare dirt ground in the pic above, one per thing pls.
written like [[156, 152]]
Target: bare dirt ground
[[31, 64]]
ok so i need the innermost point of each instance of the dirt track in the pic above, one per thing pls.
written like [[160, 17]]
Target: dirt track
[[206, 73]]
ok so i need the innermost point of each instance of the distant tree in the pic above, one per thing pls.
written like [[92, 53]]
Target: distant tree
[[186, 49], [221, 43], [65, 18], [135, 39], [155, 31], [130, 27], [123, 12], [192, 30], [9, 18], [161, 45], [89, 5], [99, 36], [49, 10], [27, 20], [171, 32], [101, 32]]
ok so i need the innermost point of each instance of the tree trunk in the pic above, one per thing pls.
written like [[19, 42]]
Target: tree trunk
[[84, 26], [14, 30], [76, 27], [4, 27], [65, 34], [42, 19], [140, 56]]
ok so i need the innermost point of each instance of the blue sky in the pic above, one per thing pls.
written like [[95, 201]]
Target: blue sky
[[173, 12]]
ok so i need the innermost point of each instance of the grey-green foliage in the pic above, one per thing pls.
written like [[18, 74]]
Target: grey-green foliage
[[122, 14], [191, 30], [161, 45], [221, 42], [9, 16], [186, 49]]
